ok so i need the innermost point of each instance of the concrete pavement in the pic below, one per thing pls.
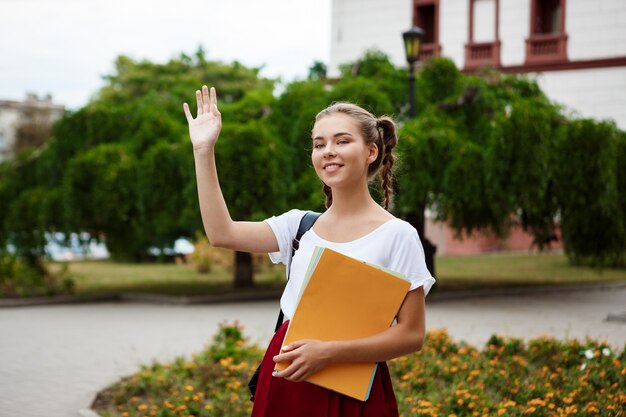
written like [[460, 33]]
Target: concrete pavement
[[55, 358]]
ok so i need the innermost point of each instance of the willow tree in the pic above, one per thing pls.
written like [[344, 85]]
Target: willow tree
[[121, 167], [494, 152]]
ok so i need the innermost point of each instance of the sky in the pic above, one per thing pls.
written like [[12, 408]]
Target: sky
[[64, 47]]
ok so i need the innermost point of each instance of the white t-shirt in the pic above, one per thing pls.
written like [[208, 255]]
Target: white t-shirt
[[394, 245]]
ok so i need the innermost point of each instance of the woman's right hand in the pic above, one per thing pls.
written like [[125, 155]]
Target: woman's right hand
[[205, 128]]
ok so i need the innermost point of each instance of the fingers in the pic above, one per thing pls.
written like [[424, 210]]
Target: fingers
[[187, 112], [205, 98], [285, 373], [292, 373], [199, 102], [205, 102], [283, 357], [214, 102], [299, 375], [296, 344]]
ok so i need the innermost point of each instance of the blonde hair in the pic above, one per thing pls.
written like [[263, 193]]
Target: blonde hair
[[381, 131]]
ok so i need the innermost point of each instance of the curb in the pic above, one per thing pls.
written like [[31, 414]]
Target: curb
[[276, 294], [142, 297], [523, 290], [58, 299]]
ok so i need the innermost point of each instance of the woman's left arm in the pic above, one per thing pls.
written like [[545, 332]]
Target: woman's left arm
[[407, 336]]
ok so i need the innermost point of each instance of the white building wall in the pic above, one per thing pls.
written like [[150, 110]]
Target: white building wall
[[514, 29], [358, 25], [453, 29], [591, 93], [484, 20], [13, 113], [596, 29]]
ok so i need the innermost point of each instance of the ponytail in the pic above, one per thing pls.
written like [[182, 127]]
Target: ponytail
[[389, 140]]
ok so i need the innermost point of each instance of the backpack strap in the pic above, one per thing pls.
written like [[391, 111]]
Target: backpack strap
[[306, 223]]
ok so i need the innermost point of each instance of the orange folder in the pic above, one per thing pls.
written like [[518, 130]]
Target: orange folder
[[343, 298]]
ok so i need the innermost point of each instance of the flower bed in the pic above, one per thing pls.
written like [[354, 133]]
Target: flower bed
[[543, 377]]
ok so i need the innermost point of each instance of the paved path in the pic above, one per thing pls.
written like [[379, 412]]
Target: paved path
[[53, 359]]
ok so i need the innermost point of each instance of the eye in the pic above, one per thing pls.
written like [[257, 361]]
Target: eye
[[342, 141], [318, 146]]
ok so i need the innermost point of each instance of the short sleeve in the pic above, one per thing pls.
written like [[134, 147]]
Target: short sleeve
[[285, 228], [407, 256]]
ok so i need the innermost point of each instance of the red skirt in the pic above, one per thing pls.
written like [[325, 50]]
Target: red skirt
[[278, 397]]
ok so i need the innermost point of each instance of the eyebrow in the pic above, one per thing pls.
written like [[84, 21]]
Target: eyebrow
[[335, 135]]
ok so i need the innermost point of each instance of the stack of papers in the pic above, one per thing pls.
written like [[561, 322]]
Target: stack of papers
[[343, 298]]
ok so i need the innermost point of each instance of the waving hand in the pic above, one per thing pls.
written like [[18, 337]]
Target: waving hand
[[205, 128]]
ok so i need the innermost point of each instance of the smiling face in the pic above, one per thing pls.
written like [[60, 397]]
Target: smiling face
[[340, 155]]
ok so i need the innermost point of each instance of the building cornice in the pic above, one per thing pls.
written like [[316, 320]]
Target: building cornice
[[561, 66]]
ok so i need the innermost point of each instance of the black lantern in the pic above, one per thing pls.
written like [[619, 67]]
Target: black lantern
[[412, 45]]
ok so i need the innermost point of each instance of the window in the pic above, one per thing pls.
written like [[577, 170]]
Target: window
[[483, 46], [426, 16], [3, 144], [548, 17], [426, 20], [547, 41]]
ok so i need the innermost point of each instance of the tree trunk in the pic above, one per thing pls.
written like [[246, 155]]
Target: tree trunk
[[417, 220], [243, 270], [37, 263]]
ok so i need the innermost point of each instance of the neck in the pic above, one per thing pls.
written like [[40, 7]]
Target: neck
[[351, 201]]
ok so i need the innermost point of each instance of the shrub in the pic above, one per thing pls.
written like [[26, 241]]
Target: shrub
[[205, 256], [544, 377], [17, 279]]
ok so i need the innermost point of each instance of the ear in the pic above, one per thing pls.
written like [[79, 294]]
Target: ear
[[373, 153]]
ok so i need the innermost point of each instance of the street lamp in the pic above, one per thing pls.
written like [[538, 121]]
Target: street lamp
[[412, 45]]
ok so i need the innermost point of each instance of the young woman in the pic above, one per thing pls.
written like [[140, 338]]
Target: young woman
[[349, 147]]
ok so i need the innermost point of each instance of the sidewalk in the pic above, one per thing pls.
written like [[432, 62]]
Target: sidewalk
[[55, 358]]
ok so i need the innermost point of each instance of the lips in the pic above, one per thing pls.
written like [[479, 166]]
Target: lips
[[331, 166]]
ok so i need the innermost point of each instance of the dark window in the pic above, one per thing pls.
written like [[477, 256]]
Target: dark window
[[548, 18], [426, 20]]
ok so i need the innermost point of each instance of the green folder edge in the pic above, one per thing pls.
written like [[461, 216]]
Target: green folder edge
[[317, 254]]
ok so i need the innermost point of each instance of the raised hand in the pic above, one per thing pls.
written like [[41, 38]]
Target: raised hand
[[205, 128]]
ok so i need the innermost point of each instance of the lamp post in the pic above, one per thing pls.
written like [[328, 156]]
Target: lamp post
[[412, 45]]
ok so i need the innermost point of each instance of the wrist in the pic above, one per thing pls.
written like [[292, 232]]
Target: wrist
[[334, 351], [203, 149]]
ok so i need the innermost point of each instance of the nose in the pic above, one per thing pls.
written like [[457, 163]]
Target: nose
[[329, 150]]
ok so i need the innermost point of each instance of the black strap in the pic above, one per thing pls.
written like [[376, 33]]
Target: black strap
[[306, 223]]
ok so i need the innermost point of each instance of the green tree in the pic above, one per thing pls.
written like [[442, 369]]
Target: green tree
[[293, 116], [491, 151], [250, 159], [121, 168], [317, 71], [590, 179], [101, 197]]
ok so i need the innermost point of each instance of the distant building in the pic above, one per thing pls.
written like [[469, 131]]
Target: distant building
[[576, 48], [26, 122]]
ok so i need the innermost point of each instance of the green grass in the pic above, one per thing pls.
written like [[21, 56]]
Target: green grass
[[503, 270], [93, 277], [452, 273]]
